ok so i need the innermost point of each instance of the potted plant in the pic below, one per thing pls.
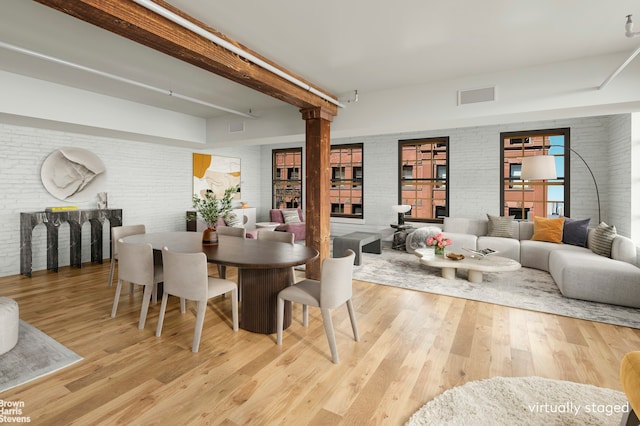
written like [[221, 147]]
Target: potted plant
[[211, 209]]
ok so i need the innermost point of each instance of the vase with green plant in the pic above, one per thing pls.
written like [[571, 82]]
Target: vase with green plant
[[211, 209]]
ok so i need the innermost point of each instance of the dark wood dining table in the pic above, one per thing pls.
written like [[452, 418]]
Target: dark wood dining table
[[263, 268]]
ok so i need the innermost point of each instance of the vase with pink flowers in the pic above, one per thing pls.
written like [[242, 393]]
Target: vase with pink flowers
[[439, 242]]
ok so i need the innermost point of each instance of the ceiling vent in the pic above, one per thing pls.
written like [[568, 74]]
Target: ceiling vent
[[236, 127], [487, 94]]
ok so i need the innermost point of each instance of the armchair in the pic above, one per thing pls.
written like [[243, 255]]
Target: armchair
[[298, 229]]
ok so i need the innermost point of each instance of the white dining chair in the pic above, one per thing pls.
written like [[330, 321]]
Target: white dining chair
[[282, 237], [225, 232], [334, 289], [136, 266], [118, 232], [186, 276]]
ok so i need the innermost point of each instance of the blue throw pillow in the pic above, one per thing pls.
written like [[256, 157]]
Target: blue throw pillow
[[575, 231]]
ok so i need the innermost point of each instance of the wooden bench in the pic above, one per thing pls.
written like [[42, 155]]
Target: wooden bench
[[368, 242]]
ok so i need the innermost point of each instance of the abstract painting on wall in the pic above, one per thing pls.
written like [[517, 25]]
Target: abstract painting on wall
[[215, 174]]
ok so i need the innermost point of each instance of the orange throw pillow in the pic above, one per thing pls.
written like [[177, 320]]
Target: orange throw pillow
[[547, 229]]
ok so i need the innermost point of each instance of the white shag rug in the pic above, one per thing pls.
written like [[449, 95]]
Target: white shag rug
[[523, 401]]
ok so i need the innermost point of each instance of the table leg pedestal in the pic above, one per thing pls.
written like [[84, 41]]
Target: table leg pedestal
[[474, 276], [449, 273], [258, 309]]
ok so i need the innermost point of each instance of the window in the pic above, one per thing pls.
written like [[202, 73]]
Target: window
[[346, 181], [287, 182], [526, 199], [423, 174]]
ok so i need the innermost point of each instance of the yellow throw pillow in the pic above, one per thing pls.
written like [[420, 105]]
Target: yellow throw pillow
[[547, 229]]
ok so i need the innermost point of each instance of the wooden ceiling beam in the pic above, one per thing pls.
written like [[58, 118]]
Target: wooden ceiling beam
[[135, 22]]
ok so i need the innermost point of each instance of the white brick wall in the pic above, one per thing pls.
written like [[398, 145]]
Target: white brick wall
[[152, 183]]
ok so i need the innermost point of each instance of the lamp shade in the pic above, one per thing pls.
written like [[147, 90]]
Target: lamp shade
[[537, 167], [401, 208]]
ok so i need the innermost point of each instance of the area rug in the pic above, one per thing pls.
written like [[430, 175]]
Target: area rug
[[523, 401], [526, 288], [35, 355]]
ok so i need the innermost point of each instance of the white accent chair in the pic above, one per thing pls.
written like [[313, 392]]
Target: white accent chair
[[118, 232], [136, 266], [186, 276], [333, 290]]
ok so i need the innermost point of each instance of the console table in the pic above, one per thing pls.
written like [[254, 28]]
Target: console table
[[53, 220]]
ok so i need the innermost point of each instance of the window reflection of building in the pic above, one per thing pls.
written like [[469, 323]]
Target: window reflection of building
[[526, 199], [347, 175], [287, 182], [423, 178]]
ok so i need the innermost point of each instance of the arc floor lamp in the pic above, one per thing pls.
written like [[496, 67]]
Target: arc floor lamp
[[543, 167]]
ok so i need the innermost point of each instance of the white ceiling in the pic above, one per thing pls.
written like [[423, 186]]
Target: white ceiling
[[339, 45]]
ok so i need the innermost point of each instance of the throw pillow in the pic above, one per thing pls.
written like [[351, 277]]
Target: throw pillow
[[575, 231], [602, 239], [234, 221], [547, 229], [500, 226], [290, 216]]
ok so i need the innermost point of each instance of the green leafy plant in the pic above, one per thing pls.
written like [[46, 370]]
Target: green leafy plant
[[212, 208]]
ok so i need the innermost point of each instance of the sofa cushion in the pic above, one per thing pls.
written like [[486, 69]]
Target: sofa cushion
[[587, 276], [500, 226], [575, 231], [506, 247], [602, 239], [548, 229], [535, 254], [465, 226]]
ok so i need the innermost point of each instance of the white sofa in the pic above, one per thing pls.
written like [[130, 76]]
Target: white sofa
[[577, 271]]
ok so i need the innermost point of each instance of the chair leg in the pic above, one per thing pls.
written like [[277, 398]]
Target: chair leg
[[111, 271], [116, 298], [234, 308], [146, 298], [183, 305], [163, 307], [305, 315], [154, 294], [131, 289], [352, 316], [197, 332], [328, 329], [630, 418], [280, 320]]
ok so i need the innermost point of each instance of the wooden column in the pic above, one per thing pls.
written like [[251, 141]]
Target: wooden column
[[318, 179]]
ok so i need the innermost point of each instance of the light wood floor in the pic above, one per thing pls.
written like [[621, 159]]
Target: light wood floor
[[413, 347]]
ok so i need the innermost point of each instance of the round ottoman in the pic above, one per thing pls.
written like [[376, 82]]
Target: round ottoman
[[9, 324]]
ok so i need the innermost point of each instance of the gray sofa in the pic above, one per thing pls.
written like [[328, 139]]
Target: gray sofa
[[577, 271]]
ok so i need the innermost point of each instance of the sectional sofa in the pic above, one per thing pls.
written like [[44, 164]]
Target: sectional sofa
[[578, 272]]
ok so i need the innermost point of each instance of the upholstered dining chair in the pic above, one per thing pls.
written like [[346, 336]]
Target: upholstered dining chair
[[334, 289], [224, 232], [118, 232], [186, 276], [136, 266], [282, 237]]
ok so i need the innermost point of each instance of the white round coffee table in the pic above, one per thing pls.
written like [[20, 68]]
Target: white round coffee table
[[476, 266]]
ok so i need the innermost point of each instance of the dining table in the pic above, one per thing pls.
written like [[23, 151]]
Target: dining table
[[263, 269]]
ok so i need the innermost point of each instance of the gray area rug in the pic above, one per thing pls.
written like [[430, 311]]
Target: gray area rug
[[526, 288], [35, 355], [523, 401]]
